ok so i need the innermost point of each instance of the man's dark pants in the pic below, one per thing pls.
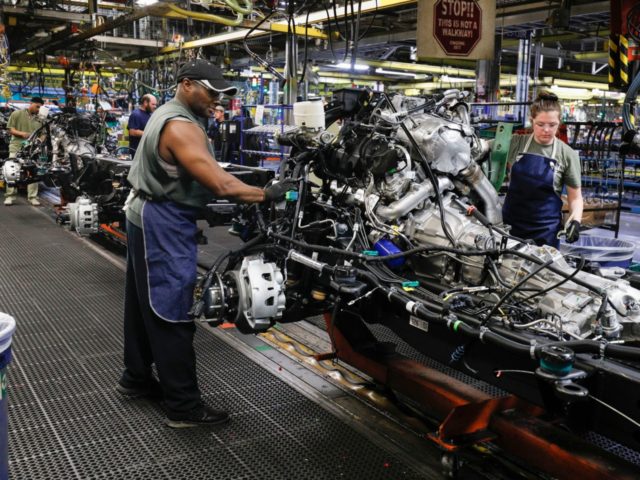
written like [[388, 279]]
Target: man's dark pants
[[148, 339]]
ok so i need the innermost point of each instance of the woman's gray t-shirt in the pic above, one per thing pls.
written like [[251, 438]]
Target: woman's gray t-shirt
[[567, 170]]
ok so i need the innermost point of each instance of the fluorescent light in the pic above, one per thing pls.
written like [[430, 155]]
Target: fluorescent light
[[576, 84], [565, 93], [347, 66], [342, 81], [447, 78], [392, 72]]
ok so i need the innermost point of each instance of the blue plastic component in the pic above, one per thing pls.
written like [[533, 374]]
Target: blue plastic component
[[386, 247], [556, 369], [291, 196]]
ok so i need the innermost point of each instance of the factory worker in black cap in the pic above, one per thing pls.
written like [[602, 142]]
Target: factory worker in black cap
[[174, 174], [21, 124]]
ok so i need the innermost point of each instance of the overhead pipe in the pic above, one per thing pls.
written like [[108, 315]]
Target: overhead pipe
[[246, 10], [207, 17]]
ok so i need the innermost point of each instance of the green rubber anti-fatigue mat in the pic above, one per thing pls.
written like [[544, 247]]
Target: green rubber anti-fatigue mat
[[67, 422]]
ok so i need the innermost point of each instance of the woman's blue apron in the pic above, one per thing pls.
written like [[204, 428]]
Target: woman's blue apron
[[532, 207], [171, 254]]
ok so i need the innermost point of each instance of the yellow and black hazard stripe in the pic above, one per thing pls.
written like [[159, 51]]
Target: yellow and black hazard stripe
[[623, 48], [614, 61]]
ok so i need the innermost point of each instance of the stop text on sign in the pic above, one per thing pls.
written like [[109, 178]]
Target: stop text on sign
[[458, 8]]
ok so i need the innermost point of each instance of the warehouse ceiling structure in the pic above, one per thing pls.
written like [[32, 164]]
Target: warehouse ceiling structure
[[366, 40]]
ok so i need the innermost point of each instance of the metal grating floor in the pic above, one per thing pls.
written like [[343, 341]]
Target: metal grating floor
[[66, 420]]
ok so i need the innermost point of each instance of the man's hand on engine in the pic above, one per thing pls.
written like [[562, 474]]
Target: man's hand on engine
[[278, 190], [573, 231]]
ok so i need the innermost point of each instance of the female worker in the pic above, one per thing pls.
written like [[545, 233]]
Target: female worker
[[541, 165]]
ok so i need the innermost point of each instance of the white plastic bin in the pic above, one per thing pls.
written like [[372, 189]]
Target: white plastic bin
[[608, 252]]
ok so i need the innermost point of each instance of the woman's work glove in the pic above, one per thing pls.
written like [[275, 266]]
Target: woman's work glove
[[572, 231]]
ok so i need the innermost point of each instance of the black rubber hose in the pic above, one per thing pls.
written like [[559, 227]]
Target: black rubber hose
[[515, 288], [561, 282], [458, 324]]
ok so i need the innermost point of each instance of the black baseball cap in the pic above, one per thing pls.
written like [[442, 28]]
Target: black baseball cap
[[37, 100], [208, 74]]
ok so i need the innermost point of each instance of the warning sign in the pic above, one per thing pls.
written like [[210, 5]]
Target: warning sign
[[458, 28], [456, 25]]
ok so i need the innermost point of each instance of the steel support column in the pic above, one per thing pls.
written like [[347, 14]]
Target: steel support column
[[522, 87], [537, 65], [488, 79]]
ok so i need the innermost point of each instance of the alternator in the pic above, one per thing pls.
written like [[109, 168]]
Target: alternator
[[83, 216], [11, 172], [252, 296]]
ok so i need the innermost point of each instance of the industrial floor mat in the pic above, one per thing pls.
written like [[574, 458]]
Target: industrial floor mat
[[67, 422]]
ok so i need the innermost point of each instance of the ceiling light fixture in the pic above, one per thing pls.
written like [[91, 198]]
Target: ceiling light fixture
[[560, 82], [447, 78], [347, 66], [391, 72]]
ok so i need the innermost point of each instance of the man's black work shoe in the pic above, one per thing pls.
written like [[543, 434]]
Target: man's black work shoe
[[201, 416], [151, 390]]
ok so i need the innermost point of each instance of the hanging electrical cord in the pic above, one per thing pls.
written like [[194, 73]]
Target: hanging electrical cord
[[373, 19], [346, 36], [333, 53], [356, 33], [306, 47], [257, 57]]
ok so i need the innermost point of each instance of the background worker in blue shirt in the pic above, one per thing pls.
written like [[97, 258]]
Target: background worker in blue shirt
[[138, 120]]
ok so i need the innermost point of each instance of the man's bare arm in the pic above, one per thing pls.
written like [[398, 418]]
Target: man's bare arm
[[19, 133], [185, 144], [134, 132]]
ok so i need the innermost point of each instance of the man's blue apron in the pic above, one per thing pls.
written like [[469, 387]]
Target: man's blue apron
[[532, 207], [171, 254]]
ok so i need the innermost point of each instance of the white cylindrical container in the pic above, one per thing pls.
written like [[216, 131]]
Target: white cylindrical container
[[309, 114]]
